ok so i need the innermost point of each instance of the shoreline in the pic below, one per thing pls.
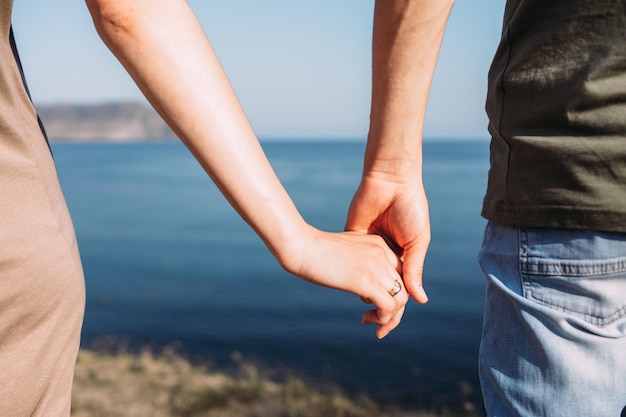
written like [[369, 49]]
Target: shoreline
[[167, 385]]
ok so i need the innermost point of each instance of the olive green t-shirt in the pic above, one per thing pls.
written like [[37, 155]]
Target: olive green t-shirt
[[557, 116]]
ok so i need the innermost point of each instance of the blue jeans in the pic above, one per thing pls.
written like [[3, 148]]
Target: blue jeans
[[554, 335]]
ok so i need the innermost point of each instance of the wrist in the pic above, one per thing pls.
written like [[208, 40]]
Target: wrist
[[288, 243], [395, 157], [398, 171]]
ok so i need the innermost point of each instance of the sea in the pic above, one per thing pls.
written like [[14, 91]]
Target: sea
[[170, 265]]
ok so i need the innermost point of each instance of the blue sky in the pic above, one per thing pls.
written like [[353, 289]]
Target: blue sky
[[300, 68]]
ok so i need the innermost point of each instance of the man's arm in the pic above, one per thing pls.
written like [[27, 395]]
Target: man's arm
[[163, 47], [390, 200]]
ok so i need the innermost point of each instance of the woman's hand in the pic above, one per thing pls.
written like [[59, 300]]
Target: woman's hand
[[355, 262]]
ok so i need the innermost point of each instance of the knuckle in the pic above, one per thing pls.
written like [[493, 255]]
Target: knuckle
[[387, 310], [403, 298]]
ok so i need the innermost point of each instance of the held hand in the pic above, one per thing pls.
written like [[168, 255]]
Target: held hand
[[355, 262], [397, 211]]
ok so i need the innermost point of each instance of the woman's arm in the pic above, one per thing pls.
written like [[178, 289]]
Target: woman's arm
[[163, 47]]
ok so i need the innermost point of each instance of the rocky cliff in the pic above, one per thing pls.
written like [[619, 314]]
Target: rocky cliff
[[118, 122]]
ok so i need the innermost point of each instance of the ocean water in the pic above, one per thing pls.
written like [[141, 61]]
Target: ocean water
[[168, 262]]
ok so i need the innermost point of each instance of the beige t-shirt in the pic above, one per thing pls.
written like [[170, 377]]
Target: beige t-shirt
[[29, 188], [42, 292]]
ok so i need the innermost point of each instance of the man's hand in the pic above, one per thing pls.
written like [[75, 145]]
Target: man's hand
[[390, 201], [398, 212]]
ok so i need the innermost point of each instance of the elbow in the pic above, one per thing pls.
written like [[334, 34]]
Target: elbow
[[446, 7], [446, 4], [113, 18]]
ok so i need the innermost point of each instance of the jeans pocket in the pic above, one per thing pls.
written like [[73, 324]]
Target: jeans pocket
[[597, 299], [577, 280]]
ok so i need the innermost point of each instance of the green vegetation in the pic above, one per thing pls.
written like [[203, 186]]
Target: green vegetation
[[167, 385]]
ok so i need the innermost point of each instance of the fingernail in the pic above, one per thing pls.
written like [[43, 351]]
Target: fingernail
[[421, 294]]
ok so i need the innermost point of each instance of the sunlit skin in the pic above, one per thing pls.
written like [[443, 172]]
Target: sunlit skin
[[390, 200], [163, 47]]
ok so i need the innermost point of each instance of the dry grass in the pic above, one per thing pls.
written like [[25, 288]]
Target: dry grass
[[166, 385]]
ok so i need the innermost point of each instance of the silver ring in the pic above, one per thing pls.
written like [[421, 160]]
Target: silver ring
[[396, 288]]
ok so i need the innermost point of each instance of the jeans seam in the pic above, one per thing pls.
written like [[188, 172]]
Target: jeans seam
[[572, 269], [523, 259], [595, 320]]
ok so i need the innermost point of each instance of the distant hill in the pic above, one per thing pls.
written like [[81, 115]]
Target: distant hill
[[114, 122]]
